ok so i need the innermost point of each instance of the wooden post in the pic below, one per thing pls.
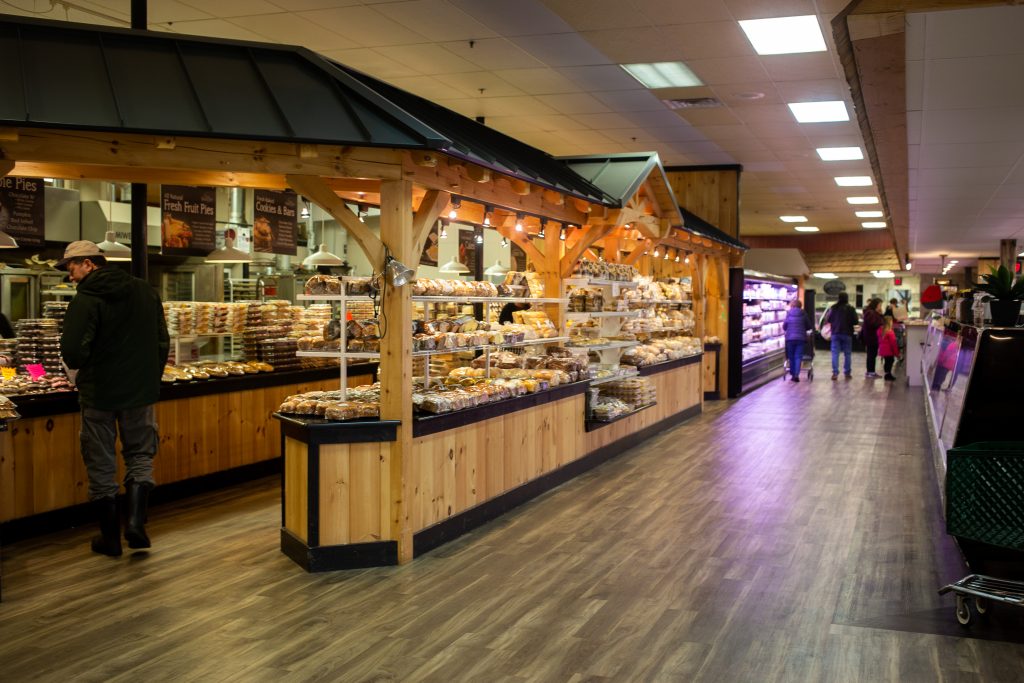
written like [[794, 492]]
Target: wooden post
[[396, 365]]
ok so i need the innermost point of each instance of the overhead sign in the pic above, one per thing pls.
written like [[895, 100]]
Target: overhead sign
[[188, 224], [274, 222], [23, 210]]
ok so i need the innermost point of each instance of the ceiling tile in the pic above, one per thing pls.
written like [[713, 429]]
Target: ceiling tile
[[304, 5], [171, 11], [216, 28], [371, 61], [437, 20], [482, 84], [915, 86], [363, 26], [665, 12], [574, 103], [947, 177], [758, 9], [709, 39], [514, 18], [294, 29], [976, 125], [494, 53], [232, 8], [607, 120], [541, 81], [633, 45], [729, 132], [711, 116], [974, 82], [427, 87], [975, 32], [719, 70], [971, 155], [593, 15], [785, 143], [801, 67], [767, 113], [601, 77], [822, 90], [429, 59], [569, 49], [630, 100], [745, 94]]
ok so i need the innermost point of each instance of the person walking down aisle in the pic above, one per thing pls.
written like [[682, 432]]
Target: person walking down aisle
[[796, 325], [888, 347], [869, 333], [842, 318], [114, 345]]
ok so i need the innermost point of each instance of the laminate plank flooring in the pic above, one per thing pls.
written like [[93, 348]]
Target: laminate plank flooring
[[793, 534]]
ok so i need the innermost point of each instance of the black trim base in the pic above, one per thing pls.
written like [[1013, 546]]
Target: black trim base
[[76, 515], [334, 557], [426, 540], [712, 395]]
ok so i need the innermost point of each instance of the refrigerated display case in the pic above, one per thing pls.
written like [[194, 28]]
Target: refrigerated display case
[[757, 309]]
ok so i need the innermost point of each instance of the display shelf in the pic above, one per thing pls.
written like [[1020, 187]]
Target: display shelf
[[486, 300], [661, 302], [338, 354], [587, 282], [603, 347], [431, 352], [332, 297], [614, 378], [591, 424], [60, 292], [203, 335], [586, 315]]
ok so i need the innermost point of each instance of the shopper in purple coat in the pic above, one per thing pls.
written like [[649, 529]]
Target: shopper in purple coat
[[796, 326]]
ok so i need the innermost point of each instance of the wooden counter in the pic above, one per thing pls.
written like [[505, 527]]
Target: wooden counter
[[467, 468], [206, 429]]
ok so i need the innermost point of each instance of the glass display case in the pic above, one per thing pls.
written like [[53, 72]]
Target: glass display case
[[757, 309]]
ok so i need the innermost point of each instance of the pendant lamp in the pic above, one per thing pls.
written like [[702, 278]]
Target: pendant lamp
[[228, 254], [114, 250], [454, 266], [321, 257], [497, 270]]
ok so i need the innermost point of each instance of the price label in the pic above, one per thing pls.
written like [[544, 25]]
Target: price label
[[35, 371], [8, 373]]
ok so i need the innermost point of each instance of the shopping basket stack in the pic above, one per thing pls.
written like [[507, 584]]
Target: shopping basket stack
[[985, 513]]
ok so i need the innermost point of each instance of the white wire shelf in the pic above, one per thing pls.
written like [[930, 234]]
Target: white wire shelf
[[586, 315], [614, 378], [60, 292], [486, 300], [587, 282], [431, 352], [603, 347]]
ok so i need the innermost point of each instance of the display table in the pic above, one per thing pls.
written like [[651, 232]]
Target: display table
[[210, 432], [467, 467]]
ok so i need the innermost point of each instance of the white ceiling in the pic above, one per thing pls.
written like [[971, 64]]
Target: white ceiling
[[545, 72], [965, 116]]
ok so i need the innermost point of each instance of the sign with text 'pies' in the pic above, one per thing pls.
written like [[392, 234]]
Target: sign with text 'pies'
[[22, 210], [188, 224], [274, 222]]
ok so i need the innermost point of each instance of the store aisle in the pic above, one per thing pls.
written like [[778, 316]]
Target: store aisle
[[791, 535]]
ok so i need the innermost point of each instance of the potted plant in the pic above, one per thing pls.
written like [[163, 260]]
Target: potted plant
[[1004, 294]]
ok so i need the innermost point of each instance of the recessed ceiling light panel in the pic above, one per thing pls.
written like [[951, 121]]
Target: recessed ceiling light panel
[[825, 276], [793, 219], [663, 75], [806, 228], [819, 112], [784, 35], [868, 214], [853, 181], [862, 200], [840, 153], [873, 225]]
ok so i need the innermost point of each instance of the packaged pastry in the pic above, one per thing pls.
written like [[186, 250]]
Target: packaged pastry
[[323, 284]]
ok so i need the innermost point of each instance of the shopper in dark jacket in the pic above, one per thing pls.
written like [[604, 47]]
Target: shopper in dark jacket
[[842, 318], [796, 325], [873, 321], [114, 345]]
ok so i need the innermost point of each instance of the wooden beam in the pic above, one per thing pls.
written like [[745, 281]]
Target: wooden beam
[[556, 198], [396, 369], [424, 159], [315, 189], [584, 243], [199, 154], [648, 227], [508, 231], [652, 197], [149, 176], [433, 203], [520, 187], [637, 253], [6, 166], [478, 174]]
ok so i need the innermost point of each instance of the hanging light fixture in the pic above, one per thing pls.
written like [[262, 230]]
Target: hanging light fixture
[[657, 253], [519, 221], [504, 241], [114, 250], [487, 216], [687, 259], [304, 214], [497, 270], [444, 230], [456, 205], [478, 237], [677, 257], [228, 253], [321, 257], [455, 267], [543, 225], [666, 254], [562, 233], [398, 273]]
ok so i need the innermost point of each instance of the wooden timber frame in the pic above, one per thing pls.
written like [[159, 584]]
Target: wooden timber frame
[[369, 491]]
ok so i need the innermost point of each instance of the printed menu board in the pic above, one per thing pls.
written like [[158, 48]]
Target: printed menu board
[[430, 247], [467, 250], [22, 210], [188, 226], [274, 225]]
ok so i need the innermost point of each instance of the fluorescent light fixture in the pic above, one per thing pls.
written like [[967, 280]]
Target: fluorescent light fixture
[[793, 219], [114, 250], [867, 214], [882, 274], [862, 200], [873, 225], [784, 35], [806, 228], [819, 112], [853, 180], [228, 254], [840, 153], [908, 266], [825, 276], [663, 75]]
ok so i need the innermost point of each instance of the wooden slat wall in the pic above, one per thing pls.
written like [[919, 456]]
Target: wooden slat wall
[[713, 195], [460, 468], [710, 377], [677, 389], [354, 481], [296, 500], [41, 465]]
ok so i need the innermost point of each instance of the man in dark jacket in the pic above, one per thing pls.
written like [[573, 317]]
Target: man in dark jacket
[[114, 345], [843, 318]]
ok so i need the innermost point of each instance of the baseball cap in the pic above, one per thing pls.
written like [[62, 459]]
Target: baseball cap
[[931, 297], [78, 249]]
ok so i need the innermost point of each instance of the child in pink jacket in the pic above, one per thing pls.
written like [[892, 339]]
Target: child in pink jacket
[[888, 348]]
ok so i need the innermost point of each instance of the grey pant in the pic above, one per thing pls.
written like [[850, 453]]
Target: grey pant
[[138, 430]]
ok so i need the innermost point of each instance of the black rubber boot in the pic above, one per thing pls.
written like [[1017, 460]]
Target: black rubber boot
[[138, 501], [108, 542]]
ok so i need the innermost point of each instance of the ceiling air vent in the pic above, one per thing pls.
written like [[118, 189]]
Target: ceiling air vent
[[693, 103]]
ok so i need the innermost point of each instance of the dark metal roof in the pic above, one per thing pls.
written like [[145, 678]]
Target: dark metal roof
[[699, 226], [487, 147], [59, 74], [618, 175]]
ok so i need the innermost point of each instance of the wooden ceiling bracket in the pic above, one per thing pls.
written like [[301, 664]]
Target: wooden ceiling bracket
[[431, 206], [586, 240]]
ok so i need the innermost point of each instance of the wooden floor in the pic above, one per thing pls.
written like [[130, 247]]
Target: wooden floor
[[791, 535]]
